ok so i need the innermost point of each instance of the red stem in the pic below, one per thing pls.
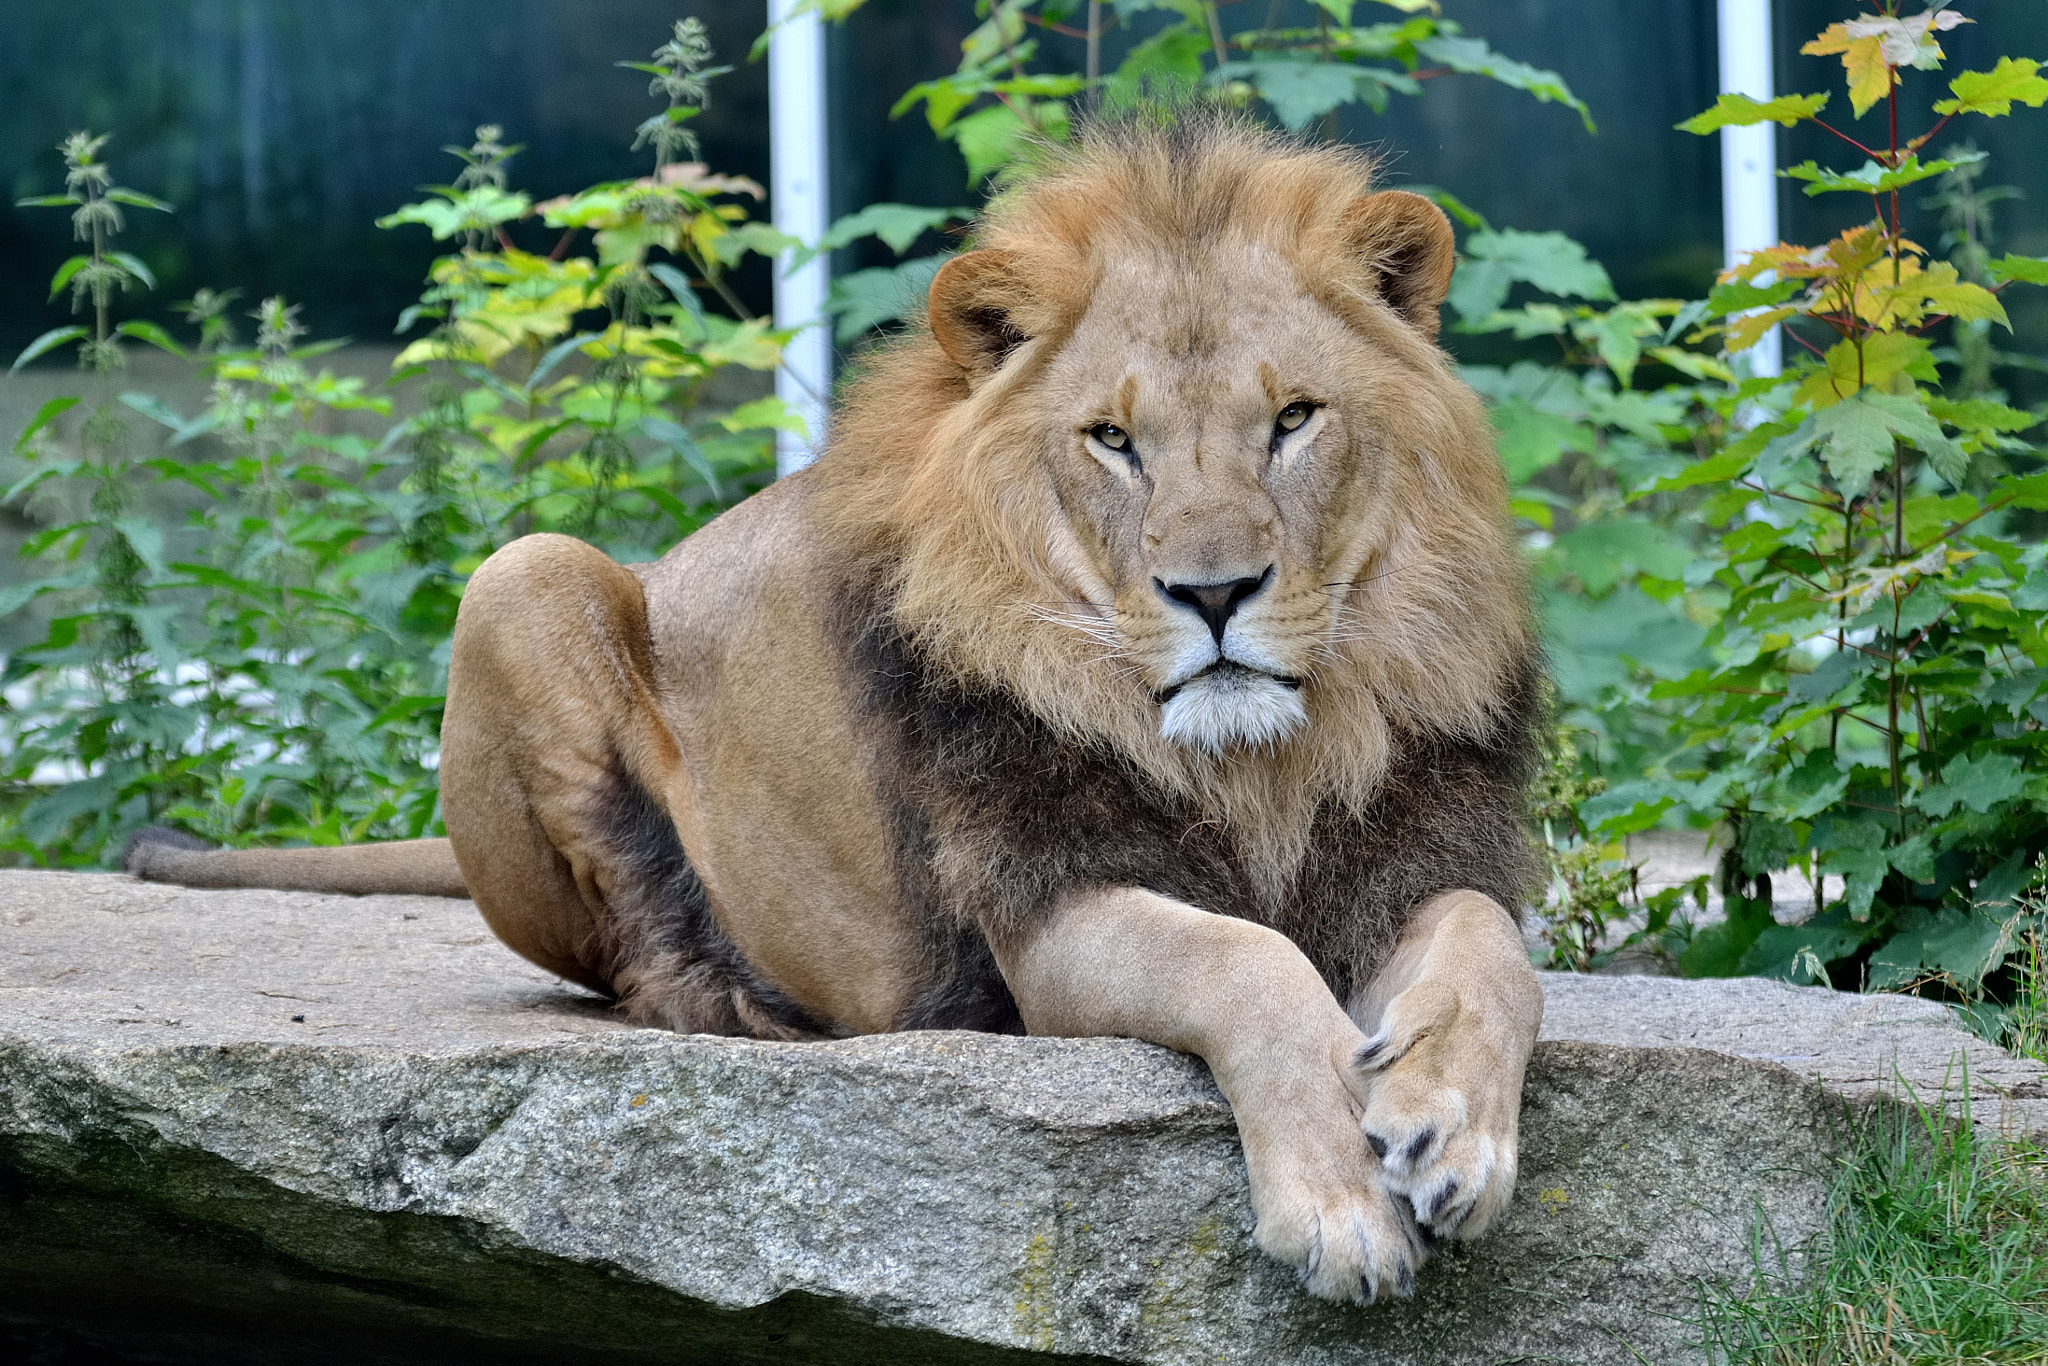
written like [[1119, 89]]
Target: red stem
[[1844, 137]]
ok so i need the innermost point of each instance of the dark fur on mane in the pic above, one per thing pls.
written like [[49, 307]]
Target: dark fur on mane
[[995, 816]]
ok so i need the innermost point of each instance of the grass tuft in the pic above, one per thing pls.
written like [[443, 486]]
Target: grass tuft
[[1937, 1252]]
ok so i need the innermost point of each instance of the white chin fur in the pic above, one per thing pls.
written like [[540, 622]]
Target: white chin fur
[[1232, 707]]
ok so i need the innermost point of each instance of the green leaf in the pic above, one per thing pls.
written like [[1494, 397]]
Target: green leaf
[[1473, 57], [1496, 261], [51, 410], [1166, 66], [134, 265], [155, 409], [404, 707], [48, 201], [1978, 782], [65, 272], [673, 436], [1737, 297], [1601, 553], [869, 298], [477, 210], [1992, 92], [1452, 205], [678, 286], [769, 412], [1530, 440], [49, 341], [44, 820], [1801, 953], [1301, 90], [1719, 950], [1884, 357], [1856, 438], [1874, 177], [989, 139], [1853, 850], [1963, 946], [568, 346], [154, 335], [1982, 415], [898, 225], [1828, 680], [147, 539], [1740, 111], [2027, 270], [1716, 469], [136, 199]]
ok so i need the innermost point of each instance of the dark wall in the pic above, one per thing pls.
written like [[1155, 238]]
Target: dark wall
[[283, 127]]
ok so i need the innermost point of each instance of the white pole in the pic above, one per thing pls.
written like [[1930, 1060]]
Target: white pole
[[1749, 156], [797, 192]]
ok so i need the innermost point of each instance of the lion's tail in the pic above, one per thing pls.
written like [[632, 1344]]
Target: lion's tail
[[413, 867]]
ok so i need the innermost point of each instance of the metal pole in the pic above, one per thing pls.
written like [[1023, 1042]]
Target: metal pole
[[797, 192], [1749, 156]]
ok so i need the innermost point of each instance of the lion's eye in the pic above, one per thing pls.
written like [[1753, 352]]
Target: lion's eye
[[1111, 435], [1292, 416]]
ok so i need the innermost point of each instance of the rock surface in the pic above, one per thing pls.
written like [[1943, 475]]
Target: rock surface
[[268, 1126]]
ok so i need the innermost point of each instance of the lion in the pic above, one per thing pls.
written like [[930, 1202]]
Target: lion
[[1148, 655]]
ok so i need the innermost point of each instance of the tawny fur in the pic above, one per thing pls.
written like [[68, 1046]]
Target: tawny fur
[[1423, 623], [942, 732]]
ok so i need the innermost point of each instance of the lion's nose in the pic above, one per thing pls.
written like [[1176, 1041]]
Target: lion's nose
[[1214, 603]]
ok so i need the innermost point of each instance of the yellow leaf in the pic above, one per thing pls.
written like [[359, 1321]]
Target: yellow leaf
[[1870, 79], [1757, 262], [1920, 295], [1693, 363], [1748, 330]]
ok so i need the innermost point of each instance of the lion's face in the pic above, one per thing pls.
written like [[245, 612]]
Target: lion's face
[[1190, 475], [1217, 455]]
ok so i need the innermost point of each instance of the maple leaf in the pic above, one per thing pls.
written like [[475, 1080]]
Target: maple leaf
[[1992, 92], [1857, 436], [1787, 260], [1922, 293], [1884, 358], [1740, 111], [1870, 47], [1747, 331]]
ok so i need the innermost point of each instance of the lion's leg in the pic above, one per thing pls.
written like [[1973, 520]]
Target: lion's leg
[[548, 716], [1452, 1016], [1244, 998]]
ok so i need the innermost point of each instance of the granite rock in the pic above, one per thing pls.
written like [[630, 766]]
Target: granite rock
[[268, 1126]]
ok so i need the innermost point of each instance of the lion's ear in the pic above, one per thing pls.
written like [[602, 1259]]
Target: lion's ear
[[972, 306], [1406, 241]]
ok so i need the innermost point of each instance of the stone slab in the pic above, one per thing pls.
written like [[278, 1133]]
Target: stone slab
[[359, 1128]]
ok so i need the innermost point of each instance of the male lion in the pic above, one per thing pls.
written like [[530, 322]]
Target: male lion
[[1148, 656]]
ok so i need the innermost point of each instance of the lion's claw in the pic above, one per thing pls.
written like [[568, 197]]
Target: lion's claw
[[1446, 1144], [1354, 1244]]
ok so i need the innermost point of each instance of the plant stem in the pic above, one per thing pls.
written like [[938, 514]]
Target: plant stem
[[1094, 47], [1215, 29]]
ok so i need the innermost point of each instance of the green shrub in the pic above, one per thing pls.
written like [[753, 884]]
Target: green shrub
[[1864, 700], [273, 669]]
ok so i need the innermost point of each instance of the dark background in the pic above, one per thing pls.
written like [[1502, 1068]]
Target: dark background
[[282, 128]]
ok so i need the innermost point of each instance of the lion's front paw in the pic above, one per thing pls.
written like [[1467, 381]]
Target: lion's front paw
[[1441, 1103], [1348, 1239]]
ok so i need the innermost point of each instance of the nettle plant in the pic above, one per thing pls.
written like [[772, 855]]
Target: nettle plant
[[1869, 703], [252, 609]]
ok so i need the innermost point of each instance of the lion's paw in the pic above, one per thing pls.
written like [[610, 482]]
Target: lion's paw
[[1440, 1112], [1347, 1242]]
